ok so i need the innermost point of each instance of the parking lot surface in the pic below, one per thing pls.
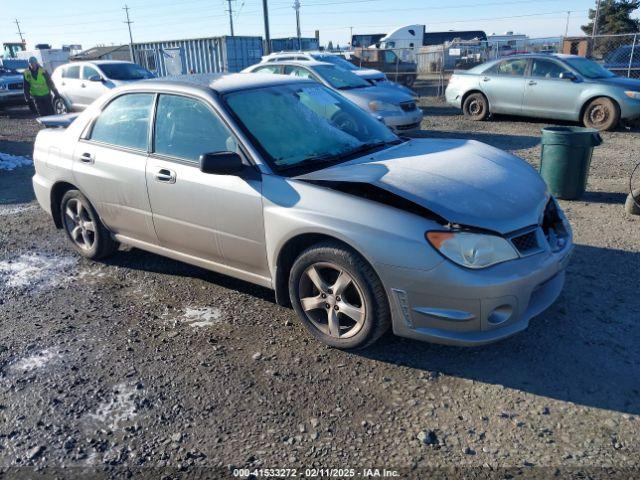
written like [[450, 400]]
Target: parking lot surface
[[143, 364]]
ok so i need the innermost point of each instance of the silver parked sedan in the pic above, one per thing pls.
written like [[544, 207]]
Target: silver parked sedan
[[80, 83], [560, 87], [257, 177], [397, 109]]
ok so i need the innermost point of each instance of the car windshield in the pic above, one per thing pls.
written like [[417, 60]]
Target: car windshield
[[307, 126], [588, 68], [125, 71], [336, 60], [7, 72], [340, 79]]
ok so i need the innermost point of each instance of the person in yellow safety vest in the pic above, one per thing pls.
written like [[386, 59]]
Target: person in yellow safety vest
[[37, 86]]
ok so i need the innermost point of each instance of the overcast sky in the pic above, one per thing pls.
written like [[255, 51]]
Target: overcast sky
[[93, 23]]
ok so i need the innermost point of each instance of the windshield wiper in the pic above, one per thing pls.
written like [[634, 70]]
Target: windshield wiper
[[325, 159], [315, 160]]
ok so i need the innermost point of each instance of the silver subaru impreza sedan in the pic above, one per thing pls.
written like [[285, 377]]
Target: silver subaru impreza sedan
[[257, 177]]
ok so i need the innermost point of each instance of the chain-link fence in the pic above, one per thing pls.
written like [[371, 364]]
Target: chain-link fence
[[618, 53]]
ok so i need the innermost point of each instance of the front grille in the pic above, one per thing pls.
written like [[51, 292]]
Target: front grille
[[526, 243], [15, 86], [408, 106]]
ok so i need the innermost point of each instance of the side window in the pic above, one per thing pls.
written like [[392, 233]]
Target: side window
[[514, 68], [546, 69], [88, 72], [268, 69], [186, 128], [71, 72], [390, 57], [125, 121], [297, 72]]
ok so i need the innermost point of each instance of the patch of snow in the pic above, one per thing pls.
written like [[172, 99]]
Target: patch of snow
[[34, 270], [6, 210], [202, 317], [118, 409], [11, 162], [33, 362]]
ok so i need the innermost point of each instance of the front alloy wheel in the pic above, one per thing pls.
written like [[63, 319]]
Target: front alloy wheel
[[338, 296], [59, 106], [331, 300]]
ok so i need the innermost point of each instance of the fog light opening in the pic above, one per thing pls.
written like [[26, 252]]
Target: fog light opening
[[500, 314]]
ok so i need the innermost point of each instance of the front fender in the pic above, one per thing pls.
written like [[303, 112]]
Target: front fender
[[380, 233]]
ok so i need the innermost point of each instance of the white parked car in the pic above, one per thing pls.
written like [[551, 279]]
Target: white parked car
[[374, 77], [80, 83]]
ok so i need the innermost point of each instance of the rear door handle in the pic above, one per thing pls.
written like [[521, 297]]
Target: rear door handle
[[165, 175], [486, 79], [532, 82], [87, 158]]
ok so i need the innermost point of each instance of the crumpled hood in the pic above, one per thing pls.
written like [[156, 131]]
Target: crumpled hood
[[464, 181]]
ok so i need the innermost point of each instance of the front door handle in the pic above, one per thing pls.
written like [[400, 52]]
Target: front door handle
[[532, 82], [165, 175], [486, 79], [83, 85], [87, 158]]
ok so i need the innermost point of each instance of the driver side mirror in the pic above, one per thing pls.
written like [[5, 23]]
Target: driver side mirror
[[95, 78], [221, 163], [568, 76]]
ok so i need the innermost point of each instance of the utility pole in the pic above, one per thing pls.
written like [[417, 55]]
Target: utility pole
[[595, 20], [351, 37], [230, 16], [19, 31], [296, 7], [566, 29], [265, 11], [129, 22]]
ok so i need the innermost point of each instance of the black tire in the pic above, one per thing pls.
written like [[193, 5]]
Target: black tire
[[364, 282], [602, 114], [632, 205], [409, 80], [476, 107], [99, 242], [59, 106]]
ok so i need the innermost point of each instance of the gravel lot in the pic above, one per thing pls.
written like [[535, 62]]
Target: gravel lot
[[142, 365]]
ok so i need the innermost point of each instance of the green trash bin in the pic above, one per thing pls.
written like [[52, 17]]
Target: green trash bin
[[566, 157]]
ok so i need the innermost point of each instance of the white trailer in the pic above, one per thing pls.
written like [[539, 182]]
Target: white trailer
[[49, 58]]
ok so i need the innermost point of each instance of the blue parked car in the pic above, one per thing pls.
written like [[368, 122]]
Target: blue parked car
[[559, 87]]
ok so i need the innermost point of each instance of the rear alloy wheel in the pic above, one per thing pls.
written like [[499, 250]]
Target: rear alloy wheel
[[338, 296], [59, 106], [601, 114], [85, 231], [476, 107]]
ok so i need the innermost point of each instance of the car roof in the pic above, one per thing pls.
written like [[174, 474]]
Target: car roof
[[220, 83], [303, 63], [306, 52]]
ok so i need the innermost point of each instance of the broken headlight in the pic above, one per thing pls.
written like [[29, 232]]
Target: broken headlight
[[472, 250]]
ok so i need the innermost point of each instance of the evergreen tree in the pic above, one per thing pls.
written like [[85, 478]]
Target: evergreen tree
[[614, 17]]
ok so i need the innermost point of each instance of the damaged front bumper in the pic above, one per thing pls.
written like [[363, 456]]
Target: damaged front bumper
[[456, 306]]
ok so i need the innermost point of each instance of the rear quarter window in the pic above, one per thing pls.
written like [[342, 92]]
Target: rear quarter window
[[125, 122]]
